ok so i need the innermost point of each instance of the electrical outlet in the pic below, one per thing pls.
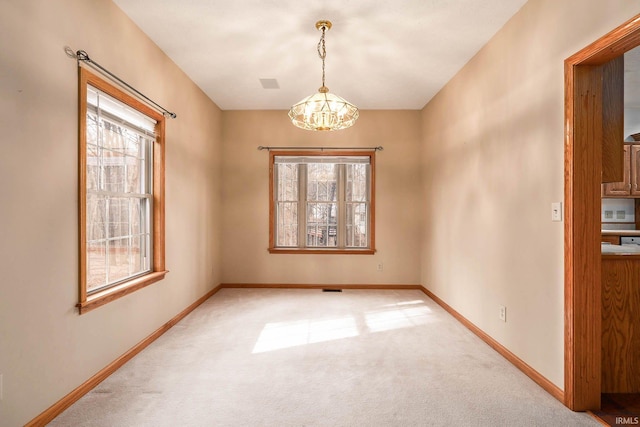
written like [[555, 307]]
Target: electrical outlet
[[502, 315], [620, 214], [380, 266], [608, 214]]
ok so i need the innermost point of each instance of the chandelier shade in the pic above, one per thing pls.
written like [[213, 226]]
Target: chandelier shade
[[323, 111]]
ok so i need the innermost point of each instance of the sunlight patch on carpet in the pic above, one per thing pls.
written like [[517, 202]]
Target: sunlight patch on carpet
[[276, 336], [400, 304], [281, 335], [396, 316]]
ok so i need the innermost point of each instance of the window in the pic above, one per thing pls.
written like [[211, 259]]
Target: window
[[121, 175], [322, 202]]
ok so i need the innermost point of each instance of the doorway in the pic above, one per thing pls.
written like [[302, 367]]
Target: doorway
[[585, 118]]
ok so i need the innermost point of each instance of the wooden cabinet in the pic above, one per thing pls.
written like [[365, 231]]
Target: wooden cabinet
[[620, 324], [622, 188], [612, 120], [614, 240], [630, 187], [635, 170]]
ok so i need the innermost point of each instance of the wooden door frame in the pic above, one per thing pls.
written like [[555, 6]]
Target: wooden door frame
[[582, 195]]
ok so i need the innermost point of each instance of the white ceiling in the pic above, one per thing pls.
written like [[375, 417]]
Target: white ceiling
[[380, 54]]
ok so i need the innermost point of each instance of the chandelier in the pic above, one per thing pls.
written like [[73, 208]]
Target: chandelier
[[323, 110]]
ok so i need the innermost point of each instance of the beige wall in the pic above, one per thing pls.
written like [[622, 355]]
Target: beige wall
[[493, 154], [463, 191], [246, 200], [46, 348]]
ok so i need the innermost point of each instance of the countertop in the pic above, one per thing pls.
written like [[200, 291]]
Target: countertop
[[620, 232], [609, 249]]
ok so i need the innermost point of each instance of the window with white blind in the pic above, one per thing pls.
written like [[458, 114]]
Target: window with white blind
[[322, 202], [121, 193]]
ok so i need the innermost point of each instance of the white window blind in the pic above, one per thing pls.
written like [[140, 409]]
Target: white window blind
[[122, 113], [322, 159]]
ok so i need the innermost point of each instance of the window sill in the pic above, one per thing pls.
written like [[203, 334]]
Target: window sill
[[322, 251], [103, 297]]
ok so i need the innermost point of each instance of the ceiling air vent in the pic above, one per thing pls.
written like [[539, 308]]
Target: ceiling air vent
[[269, 84]]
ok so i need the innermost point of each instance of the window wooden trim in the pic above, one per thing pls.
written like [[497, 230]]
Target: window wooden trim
[[324, 251], [89, 302]]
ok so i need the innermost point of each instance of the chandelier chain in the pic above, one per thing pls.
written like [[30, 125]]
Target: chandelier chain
[[322, 51]]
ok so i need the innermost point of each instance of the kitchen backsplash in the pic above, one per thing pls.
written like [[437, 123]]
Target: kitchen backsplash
[[618, 211]]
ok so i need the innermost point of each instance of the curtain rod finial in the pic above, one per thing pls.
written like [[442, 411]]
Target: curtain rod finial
[[83, 56]]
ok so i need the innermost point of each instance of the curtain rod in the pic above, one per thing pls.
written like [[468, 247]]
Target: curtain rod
[[82, 56], [378, 148]]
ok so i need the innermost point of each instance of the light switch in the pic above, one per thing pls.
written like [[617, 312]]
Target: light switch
[[556, 211], [608, 214]]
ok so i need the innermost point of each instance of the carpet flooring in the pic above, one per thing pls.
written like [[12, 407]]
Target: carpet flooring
[[297, 357]]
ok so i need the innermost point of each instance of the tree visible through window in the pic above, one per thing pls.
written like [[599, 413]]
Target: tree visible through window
[[322, 202], [121, 193]]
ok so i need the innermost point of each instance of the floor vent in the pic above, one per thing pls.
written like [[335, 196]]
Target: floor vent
[[332, 290]]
